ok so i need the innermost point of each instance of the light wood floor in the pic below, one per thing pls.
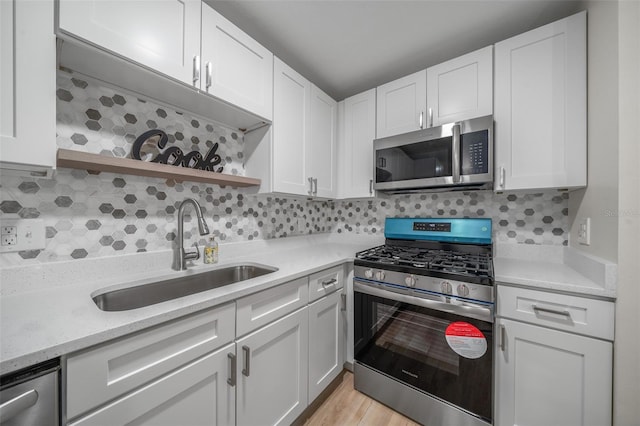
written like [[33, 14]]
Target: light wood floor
[[346, 406]]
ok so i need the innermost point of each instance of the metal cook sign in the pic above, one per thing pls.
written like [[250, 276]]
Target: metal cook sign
[[173, 155]]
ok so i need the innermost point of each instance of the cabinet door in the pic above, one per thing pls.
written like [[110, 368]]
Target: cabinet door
[[236, 67], [326, 342], [291, 101], [550, 377], [272, 372], [321, 152], [355, 159], [461, 88], [401, 105], [540, 107], [163, 35], [196, 394], [27, 86]]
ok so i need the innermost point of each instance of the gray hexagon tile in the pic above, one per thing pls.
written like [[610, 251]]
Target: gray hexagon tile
[[90, 215]]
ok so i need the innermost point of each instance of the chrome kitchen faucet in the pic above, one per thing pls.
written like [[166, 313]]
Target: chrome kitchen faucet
[[184, 255]]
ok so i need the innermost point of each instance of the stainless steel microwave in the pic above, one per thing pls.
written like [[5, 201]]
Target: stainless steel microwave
[[449, 157]]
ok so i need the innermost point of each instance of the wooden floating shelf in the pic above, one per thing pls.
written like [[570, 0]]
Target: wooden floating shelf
[[101, 163]]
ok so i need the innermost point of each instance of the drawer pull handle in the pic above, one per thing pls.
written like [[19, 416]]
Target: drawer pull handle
[[18, 405], [247, 361], [329, 282], [551, 311], [232, 377]]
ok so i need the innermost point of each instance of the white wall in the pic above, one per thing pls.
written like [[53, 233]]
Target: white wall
[[626, 393], [600, 199]]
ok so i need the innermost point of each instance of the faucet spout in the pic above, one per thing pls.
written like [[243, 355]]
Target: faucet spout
[[183, 255]]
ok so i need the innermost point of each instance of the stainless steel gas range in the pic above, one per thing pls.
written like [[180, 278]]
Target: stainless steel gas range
[[423, 320]]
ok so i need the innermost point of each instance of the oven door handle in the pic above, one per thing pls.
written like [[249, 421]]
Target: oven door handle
[[468, 309]]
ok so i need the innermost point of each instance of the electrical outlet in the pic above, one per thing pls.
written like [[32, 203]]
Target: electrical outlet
[[22, 234], [9, 230], [584, 231], [9, 239]]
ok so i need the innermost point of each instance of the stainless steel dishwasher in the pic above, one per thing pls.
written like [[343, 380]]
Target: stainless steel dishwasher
[[31, 396]]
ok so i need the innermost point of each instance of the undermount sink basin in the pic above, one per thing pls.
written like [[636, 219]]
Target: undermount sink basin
[[160, 291]]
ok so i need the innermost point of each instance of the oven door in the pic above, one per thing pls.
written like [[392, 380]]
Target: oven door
[[428, 344]]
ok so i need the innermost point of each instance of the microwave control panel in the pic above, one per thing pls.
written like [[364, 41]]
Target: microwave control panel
[[474, 154]]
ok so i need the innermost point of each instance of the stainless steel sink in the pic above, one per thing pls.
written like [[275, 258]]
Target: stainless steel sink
[[161, 291]]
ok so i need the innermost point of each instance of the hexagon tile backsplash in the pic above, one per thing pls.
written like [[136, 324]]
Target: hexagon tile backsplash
[[103, 215]]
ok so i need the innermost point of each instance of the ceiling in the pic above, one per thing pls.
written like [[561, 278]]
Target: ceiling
[[346, 46]]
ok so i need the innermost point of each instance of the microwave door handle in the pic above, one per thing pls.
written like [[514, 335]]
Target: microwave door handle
[[455, 145]]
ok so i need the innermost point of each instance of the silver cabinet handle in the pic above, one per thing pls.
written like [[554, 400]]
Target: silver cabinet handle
[[455, 145], [315, 186], [329, 282], [17, 405], [502, 173], [343, 298], [551, 311], [430, 117], [196, 69], [421, 119], [310, 185], [232, 369], [209, 71], [503, 338], [247, 361], [371, 186]]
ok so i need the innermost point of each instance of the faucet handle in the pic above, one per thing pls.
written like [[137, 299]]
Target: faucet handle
[[194, 254]]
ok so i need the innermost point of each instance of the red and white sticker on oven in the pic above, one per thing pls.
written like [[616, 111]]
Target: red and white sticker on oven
[[466, 340]]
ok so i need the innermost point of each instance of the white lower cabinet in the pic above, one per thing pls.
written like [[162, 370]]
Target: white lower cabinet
[[257, 361], [548, 376], [196, 394], [326, 342], [174, 373], [272, 371]]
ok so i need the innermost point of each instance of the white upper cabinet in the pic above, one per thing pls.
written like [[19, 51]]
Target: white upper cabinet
[[185, 40], [163, 35], [355, 145], [27, 87], [297, 155], [401, 105], [235, 67], [321, 152], [291, 103], [461, 88], [540, 107]]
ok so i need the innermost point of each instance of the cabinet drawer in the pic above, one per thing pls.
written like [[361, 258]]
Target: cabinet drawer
[[261, 308], [325, 282], [107, 371], [577, 314]]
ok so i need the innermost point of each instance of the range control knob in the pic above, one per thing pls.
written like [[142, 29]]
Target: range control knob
[[410, 281], [446, 287], [368, 274], [463, 290], [380, 275]]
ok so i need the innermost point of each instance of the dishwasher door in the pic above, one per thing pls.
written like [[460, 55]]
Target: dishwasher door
[[30, 396]]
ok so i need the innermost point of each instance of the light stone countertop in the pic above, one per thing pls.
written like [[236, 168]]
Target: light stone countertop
[[559, 269], [55, 315], [47, 311]]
